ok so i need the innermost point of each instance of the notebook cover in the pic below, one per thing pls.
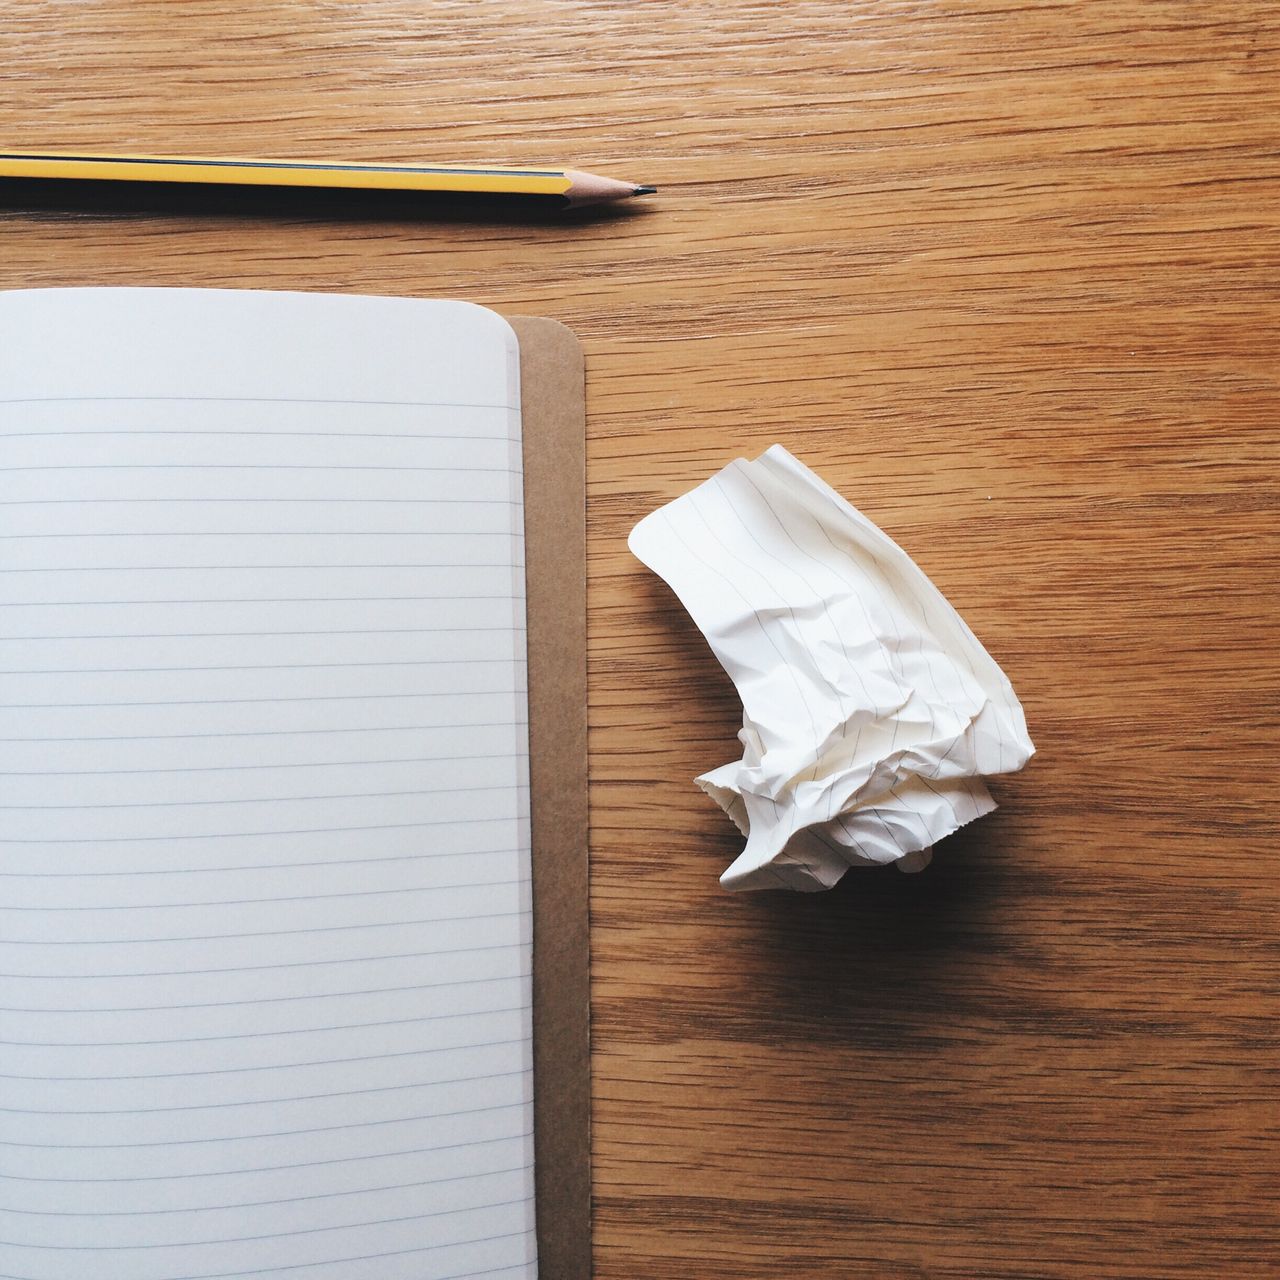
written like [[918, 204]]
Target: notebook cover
[[554, 421]]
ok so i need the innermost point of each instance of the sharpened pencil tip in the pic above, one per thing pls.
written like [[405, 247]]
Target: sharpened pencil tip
[[644, 191]]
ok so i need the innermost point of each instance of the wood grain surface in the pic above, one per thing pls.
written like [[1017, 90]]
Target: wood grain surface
[[1008, 276]]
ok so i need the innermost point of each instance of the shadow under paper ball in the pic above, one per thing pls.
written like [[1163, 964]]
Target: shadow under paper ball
[[889, 957]]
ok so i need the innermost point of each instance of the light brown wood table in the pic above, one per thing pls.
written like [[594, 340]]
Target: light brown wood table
[[1008, 276]]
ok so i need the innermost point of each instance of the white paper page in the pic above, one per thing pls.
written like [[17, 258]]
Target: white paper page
[[264, 848]]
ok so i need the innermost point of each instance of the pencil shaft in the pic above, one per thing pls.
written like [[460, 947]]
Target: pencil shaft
[[573, 186]]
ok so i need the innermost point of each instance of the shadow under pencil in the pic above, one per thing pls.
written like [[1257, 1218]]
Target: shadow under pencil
[[117, 199]]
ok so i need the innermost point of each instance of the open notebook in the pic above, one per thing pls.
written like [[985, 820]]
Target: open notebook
[[265, 932]]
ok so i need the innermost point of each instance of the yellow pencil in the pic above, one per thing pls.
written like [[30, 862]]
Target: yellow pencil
[[574, 187]]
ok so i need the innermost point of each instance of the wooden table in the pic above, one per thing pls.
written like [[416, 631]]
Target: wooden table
[[1008, 276]]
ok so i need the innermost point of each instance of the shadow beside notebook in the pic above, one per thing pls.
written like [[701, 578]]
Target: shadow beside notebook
[[113, 199]]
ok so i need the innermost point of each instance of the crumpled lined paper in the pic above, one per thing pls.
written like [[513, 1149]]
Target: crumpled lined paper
[[870, 710]]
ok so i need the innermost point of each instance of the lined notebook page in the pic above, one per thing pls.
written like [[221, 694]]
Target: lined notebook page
[[264, 864]]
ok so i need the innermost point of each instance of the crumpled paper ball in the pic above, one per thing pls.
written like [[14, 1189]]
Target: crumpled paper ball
[[871, 712]]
